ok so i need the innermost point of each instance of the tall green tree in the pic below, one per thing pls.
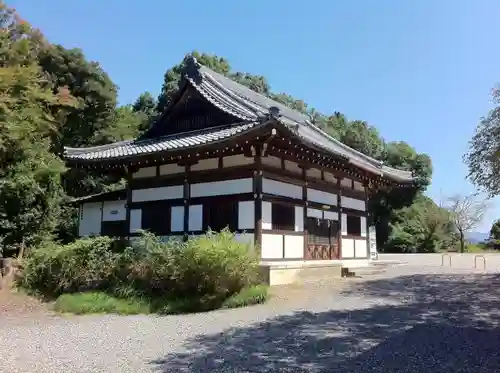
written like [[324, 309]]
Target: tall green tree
[[483, 156], [30, 188]]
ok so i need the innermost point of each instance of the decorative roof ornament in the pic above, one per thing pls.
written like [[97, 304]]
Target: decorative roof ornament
[[191, 68], [274, 112]]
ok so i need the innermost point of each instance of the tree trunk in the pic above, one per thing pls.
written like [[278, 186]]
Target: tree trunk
[[462, 242], [21, 251]]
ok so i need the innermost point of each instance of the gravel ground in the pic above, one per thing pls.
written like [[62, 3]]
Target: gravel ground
[[404, 320]]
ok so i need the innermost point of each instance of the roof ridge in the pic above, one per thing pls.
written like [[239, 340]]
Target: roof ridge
[[193, 132], [98, 147]]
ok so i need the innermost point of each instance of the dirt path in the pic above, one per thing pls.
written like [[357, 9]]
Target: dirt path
[[14, 304]]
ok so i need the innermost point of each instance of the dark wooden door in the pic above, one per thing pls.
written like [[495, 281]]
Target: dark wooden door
[[322, 239]]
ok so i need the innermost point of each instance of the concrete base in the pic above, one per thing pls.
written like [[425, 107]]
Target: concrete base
[[302, 272]]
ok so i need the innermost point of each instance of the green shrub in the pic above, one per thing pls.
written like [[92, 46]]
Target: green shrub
[[247, 296], [100, 302], [84, 264], [212, 267], [197, 275]]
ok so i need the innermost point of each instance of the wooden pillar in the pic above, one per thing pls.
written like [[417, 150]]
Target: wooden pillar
[[257, 194], [305, 206], [129, 199], [339, 204], [186, 197], [368, 215]]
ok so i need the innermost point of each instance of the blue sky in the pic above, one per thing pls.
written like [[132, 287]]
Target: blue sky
[[420, 71]]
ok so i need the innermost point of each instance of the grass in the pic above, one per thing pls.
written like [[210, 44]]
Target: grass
[[102, 302]]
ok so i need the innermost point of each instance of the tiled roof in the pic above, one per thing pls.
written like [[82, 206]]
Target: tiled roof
[[250, 107], [128, 148]]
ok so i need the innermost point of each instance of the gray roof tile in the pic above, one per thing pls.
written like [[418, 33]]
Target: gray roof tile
[[247, 105], [134, 147]]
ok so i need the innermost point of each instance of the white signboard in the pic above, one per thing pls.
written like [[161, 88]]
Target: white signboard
[[372, 241]]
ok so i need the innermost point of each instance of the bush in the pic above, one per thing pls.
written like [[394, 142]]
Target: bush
[[85, 264], [198, 275]]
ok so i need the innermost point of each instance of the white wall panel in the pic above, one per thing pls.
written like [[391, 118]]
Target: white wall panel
[[196, 217], [348, 248], [279, 188], [320, 196], [294, 247], [246, 215], [205, 164], [293, 167], [315, 213], [299, 219], [267, 215], [272, 246], [171, 169], [157, 194], [145, 172], [135, 220], [343, 224], [222, 188], [358, 186], [346, 183], [313, 173], [352, 203], [331, 215], [177, 219], [114, 210], [360, 248], [363, 227], [90, 219], [236, 160], [271, 161]]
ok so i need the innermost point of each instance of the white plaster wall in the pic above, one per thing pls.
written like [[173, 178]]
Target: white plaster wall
[[299, 219], [360, 248], [352, 203], [320, 214], [90, 219], [206, 164], [177, 219], [279, 188], [220, 188], [363, 227], [358, 186], [320, 196], [348, 248], [267, 215], [272, 246], [346, 183], [195, 217], [114, 210], [156, 194], [271, 161], [330, 178], [293, 167], [294, 247], [246, 215], [145, 172], [135, 220], [236, 160], [343, 224], [171, 169], [331, 215], [313, 173], [314, 213]]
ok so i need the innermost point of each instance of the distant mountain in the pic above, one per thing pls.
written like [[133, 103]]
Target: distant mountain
[[477, 237]]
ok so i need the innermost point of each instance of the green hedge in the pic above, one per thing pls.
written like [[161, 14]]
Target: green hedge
[[202, 273]]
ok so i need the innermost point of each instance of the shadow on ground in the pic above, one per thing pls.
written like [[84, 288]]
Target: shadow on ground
[[440, 324]]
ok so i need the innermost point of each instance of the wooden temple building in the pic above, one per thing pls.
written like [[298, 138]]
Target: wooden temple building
[[222, 155]]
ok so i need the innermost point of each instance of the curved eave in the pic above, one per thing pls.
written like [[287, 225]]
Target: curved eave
[[126, 150]]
